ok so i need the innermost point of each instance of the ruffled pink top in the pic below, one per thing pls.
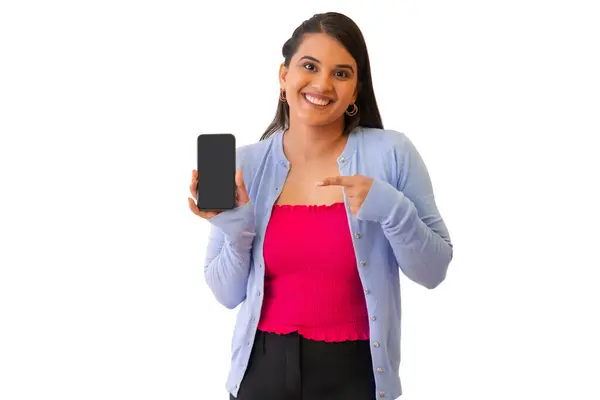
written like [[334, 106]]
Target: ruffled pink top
[[312, 284]]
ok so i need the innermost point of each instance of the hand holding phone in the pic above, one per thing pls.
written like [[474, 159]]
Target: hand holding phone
[[240, 193]]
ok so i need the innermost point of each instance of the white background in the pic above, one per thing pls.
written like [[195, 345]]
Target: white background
[[102, 294]]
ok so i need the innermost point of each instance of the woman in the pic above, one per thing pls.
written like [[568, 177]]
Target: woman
[[330, 207]]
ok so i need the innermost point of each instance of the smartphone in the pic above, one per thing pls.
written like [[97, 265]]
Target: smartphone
[[216, 171]]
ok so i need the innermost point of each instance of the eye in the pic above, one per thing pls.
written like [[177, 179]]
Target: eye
[[309, 66], [342, 74]]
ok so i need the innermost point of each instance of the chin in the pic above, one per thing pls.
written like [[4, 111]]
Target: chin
[[316, 121], [317, 118]]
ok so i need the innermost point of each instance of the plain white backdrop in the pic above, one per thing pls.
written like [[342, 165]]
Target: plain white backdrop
[[102, 294]]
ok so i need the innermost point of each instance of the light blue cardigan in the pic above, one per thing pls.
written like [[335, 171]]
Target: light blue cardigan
[[397, 228]]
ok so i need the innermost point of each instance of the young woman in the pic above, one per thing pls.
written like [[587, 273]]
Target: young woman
[[331, 207]]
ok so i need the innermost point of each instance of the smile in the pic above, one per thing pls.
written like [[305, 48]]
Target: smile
[[316, 101]]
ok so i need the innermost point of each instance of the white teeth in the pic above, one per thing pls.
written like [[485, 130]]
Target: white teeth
[[316, 101]]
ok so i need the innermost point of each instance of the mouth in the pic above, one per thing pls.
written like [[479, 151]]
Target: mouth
[[317, 100]]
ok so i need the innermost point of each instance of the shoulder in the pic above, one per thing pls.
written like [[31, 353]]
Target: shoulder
[[386, 138], [249, 157], [248, 154], [398, 153], [389, 143]]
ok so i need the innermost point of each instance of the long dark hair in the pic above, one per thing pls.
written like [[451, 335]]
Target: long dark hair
[[349, 35]]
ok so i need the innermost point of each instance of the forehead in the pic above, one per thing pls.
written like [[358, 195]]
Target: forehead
[[324, 48]]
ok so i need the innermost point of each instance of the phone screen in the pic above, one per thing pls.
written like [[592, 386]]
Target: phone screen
[[216, 171]]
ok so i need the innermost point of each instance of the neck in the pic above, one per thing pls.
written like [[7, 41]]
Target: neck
[[306, 143]]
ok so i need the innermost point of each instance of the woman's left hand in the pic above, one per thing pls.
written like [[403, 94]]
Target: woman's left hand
[[356, 188]]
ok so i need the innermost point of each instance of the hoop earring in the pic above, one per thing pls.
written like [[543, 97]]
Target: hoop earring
[[282, 96], [354, 110]]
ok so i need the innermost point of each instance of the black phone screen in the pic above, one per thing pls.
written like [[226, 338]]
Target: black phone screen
[[216, 171]]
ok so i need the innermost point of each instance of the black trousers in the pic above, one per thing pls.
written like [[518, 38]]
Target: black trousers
[[290, 367]]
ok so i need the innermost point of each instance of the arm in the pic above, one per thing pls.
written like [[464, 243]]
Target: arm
[[411, 221], [227, 263]]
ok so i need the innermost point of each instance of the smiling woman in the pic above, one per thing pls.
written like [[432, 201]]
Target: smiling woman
[[334, 207], [327, 63]]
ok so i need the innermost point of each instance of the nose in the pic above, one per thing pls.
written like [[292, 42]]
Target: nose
[[323, 82]]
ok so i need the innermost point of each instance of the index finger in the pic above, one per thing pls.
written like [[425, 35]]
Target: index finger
[[336, 181]]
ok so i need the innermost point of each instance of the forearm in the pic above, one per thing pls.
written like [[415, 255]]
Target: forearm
[[421, 244], [228, 257]]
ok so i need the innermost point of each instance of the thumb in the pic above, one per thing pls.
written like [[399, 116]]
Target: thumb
[[242, 194]]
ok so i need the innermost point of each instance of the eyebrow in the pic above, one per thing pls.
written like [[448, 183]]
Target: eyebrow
[[337, 66]]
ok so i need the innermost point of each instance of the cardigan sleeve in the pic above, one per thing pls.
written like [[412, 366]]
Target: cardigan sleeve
[[228, 253], [227, 263], [410, 218]]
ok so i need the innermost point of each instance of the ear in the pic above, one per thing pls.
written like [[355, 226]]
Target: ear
[[282, 75], [356, 91]]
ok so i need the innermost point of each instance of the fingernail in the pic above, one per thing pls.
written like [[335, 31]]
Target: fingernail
[[320, 183]]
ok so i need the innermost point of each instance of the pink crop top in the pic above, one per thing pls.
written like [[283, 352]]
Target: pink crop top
[[312, 284]]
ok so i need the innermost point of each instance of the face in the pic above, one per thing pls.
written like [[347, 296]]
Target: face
[[320, 82]]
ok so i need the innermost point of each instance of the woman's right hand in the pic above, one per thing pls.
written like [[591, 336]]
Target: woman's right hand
[[241, 195]]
